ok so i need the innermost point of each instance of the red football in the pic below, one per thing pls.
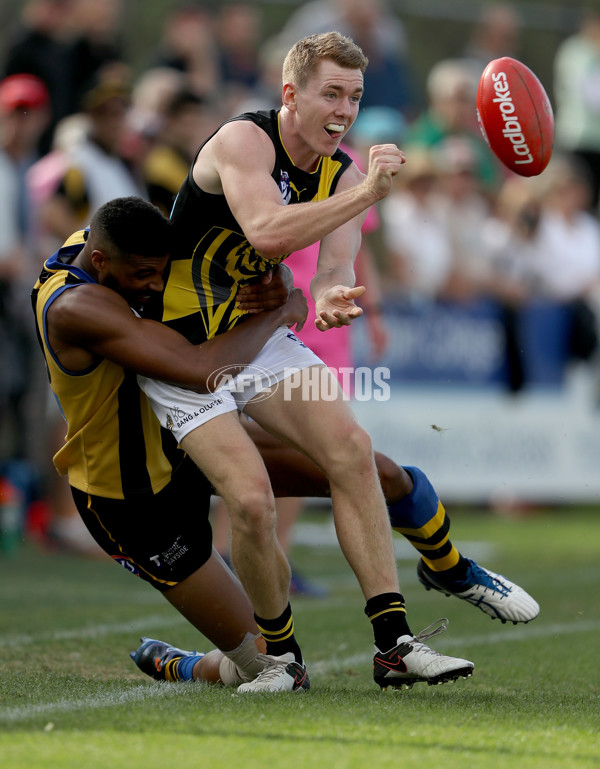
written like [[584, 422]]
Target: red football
[[515, 116]]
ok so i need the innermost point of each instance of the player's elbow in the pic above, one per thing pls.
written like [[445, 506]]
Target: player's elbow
[[270, 245], [269, 239]]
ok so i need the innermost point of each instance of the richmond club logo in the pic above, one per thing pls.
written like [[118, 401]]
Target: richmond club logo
[[285, 187]]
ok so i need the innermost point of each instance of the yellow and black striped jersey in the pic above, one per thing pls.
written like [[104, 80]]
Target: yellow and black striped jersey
[[211, 256], [114, 446]]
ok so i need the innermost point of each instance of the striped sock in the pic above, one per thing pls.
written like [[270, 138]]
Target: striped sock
[[422, 519], [279, 634], [387, 613], [181, 668]]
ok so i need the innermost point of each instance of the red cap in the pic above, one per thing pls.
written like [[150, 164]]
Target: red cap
[[22, 92]]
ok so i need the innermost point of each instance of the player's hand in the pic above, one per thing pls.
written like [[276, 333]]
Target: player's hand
[[385, 160], [269, 293], [336, 308], [295, 310]]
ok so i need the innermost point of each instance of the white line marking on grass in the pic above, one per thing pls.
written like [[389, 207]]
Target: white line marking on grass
[[525, 632], [144, 692], [140, 693], [140, 625], [95, 631]]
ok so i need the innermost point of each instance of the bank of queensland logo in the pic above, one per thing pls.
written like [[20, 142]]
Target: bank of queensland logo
[[254, 381], [285, 187]]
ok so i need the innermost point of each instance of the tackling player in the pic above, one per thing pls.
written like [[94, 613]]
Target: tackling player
[[144, 502]]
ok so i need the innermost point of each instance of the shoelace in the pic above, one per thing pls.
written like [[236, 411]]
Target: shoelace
[[436, 628], [488, 581]]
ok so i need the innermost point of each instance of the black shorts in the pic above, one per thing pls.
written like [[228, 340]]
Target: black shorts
[[162, 538]]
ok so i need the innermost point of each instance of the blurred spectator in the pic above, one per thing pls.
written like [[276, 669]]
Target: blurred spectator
[[568, 264], [510, 236], [389, 80], [464, 210], [187, 44], [495, 34], [545, 237], [24, 114], [96, 171], [451, 90], [151, 94], [266, 93], [64, 43], [46, 174], [96, 29], [42, 47], [168, 161], [415, 232], [577, 94], [238, 36], [434, 223]]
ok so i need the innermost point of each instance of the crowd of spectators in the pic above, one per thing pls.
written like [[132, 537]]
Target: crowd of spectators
[[78, 126]]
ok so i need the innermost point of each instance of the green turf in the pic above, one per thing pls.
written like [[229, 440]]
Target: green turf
[[71, 697]]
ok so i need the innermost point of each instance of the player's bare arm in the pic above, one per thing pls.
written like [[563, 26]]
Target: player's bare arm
[[333, 286], [242, 156], [93, 321]]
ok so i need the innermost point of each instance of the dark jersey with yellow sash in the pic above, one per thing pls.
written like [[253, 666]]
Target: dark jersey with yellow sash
[[114, 444], [211, 256]]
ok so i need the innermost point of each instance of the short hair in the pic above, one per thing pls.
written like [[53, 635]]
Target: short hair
[[132, 226], [449, 78], [181, 100], [304, 56]]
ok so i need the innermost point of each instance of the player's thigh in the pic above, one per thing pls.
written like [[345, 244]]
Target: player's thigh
[[315, 419], [292, 473], [227, 456]]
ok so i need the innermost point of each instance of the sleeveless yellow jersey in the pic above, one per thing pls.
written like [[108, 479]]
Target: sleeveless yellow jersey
[[114, 444], [211, 256]]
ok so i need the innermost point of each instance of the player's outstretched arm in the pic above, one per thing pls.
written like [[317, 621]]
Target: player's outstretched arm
[[92, 321], [241, 157]]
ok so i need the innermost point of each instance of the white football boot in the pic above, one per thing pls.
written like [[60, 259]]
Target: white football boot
[[492, 593], [411, 661]]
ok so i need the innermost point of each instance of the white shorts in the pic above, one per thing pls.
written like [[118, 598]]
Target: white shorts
[[181, 410]]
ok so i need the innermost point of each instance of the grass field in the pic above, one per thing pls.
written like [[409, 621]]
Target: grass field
[[71, 697]]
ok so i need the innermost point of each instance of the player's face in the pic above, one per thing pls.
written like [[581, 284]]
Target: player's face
[[138, 279], [327, 106]]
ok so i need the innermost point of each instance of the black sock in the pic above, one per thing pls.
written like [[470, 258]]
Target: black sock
[[456, 573], [279, 634], [388, 617]]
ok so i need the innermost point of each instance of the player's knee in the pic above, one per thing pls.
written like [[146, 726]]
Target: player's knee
[[254, 514], [353, 453]]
